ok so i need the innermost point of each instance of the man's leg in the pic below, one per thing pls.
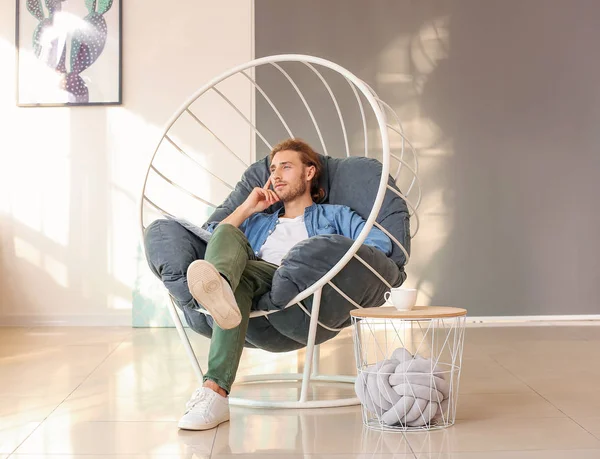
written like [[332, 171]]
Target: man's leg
[[229, 251], [170, 249], [213, 280], [230, 256], [226, 346]]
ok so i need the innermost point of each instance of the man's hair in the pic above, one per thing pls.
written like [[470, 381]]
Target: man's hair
[[309, 157]]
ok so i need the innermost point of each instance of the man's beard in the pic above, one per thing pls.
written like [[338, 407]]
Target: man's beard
[[290, 193]]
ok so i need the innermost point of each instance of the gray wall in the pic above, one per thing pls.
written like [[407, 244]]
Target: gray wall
[[503, 100]]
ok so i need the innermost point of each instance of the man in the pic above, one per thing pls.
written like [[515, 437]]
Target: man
[[244, 252]]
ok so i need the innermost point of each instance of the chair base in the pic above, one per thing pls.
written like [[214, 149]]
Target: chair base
[[283, 404], [309, 375]]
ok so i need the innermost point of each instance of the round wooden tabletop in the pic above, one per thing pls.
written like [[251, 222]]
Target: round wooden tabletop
[[418, 312]]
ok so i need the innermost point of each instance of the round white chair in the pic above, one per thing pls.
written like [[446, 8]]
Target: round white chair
[[190, 145]]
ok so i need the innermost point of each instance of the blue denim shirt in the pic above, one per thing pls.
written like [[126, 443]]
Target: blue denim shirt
[[319, 219]]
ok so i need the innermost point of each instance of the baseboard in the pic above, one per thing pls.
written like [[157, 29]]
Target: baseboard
[[573, 319], [124, 320], [121, 319]]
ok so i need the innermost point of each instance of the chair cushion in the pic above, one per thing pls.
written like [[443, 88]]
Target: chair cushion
[[349, 181], [352, 182]]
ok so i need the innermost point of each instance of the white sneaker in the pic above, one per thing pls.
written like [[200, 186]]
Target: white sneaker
[[205, 410], [213, 292]]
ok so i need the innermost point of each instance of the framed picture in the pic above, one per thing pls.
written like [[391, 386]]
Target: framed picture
[[68, 52]]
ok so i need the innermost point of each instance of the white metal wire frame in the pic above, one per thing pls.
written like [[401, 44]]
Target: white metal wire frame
[[380, 110], [439, 340]]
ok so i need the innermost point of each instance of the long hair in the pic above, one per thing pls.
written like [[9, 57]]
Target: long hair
[[309, 157]]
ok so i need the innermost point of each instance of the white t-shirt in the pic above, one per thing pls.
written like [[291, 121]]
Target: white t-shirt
[[286, 234]]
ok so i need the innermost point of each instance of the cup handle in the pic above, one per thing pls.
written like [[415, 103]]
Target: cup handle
[[387, 296]]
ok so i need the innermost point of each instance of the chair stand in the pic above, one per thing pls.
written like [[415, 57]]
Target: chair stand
[[310, 373]]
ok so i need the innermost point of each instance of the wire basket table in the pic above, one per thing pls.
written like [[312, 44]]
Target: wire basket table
[[408, 365]]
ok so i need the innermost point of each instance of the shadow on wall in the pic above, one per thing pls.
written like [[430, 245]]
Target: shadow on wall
[[501, 100], [518, 96], [81, 169], [394, 46], [58, 240], [374, 41], [64, 195]]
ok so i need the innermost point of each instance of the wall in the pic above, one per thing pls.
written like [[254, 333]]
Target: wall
[[70, 177], [500, 97], [502, 101]]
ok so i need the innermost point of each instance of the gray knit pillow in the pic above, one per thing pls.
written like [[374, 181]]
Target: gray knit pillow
[[405, 390]]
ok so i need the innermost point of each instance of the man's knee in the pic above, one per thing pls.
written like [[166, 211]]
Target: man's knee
[[152, 241], [158, 229], [157, 234], [227, 234], [169, 245], [227, 230]]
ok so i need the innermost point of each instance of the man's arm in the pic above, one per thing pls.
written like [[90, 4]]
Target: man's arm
[[258, 200], [238, 216]]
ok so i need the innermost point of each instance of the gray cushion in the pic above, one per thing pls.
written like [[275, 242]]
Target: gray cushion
[[349, 181], [404, 390]]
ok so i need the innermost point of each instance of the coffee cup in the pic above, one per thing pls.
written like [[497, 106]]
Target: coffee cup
[[403, 299]]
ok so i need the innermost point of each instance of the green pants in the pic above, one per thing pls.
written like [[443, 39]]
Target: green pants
[[230, 252]]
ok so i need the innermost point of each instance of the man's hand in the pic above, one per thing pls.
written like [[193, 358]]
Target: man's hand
[[258, 200]]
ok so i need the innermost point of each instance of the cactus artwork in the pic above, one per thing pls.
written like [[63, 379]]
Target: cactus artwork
[[68, 43]]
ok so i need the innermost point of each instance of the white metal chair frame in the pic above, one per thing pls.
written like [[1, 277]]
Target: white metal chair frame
[[311, 367]]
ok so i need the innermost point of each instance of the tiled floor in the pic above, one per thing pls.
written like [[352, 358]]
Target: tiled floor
[[525, 393]]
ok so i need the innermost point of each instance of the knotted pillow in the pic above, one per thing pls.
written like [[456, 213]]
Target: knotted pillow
[[405, 390]]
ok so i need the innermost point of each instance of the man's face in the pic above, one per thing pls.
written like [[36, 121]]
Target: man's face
[[288, 175]]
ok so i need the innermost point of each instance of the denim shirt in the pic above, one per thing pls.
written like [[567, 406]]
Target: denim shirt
[[319, 219]]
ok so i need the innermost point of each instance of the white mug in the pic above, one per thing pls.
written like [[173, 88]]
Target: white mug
[[403, 299]]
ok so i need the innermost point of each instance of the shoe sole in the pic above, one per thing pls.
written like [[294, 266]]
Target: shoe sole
[[190, 426], [206, 286]]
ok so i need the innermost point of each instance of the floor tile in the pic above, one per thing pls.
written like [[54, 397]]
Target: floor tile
[[485, 376], [55, 387], [140, 380], [500, 435], [12, 437], [475, 407], [79, 359], [557, 348], [47, 337], [18, 410], [545, 454], [119, 392], [591, 333], [71, 436], [106, 407], [166, 341], [313, 456], [291, 391], [61, 369], [137, 371], [181, 455], [325, 431], [577, 404], [560, 382], [541, 364], [592, 425]]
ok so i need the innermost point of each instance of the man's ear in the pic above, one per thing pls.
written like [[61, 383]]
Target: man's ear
[[310, 173]]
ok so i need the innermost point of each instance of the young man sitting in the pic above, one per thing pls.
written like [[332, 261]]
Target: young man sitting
[[243, 253]]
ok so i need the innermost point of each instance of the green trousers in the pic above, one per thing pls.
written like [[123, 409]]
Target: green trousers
[[230, 252]]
